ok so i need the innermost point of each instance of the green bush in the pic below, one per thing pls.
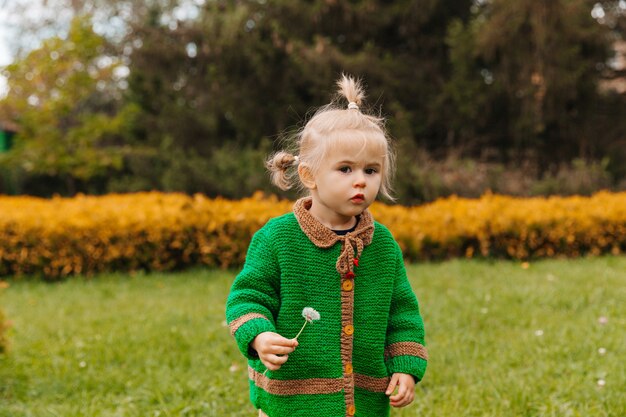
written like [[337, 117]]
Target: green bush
[[423, 177], [580, 177]]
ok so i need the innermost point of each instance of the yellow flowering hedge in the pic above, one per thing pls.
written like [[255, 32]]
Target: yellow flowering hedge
[[509, 227], [161, 231]]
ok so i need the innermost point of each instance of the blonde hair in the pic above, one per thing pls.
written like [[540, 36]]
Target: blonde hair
[[331, 125]]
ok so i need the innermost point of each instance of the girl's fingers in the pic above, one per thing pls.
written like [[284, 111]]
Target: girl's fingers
[[270, 366], [273, 349], [402, 391], [276, 350], [278, 340], [283, 342], [279, 350], [405, 393], [277, 345], [277, 360], [392, 384], [273, 362], [400, 404], [403, 401]]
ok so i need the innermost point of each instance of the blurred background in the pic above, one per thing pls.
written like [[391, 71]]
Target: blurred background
[[519, 97]]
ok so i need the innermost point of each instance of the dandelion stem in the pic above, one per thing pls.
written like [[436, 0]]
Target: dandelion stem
[[305, 322]]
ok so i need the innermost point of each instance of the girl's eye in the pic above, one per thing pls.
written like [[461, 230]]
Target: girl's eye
[[345, 169], [370, 171]]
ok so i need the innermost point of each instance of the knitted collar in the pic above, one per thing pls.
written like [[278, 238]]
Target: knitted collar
[[323, 237]]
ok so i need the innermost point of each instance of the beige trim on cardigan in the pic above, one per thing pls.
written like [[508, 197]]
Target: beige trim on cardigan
[[406, 348], [239, 321], [315, 385]]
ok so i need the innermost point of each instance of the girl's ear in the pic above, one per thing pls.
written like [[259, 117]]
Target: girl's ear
[[306, 177]]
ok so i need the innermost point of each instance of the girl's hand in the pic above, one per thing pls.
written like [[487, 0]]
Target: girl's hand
[[406, 390], [273, 349]]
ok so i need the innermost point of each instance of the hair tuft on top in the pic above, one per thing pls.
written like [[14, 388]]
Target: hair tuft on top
[[351, 89]]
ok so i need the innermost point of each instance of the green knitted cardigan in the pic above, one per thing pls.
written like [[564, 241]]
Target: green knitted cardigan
[[370, 325]]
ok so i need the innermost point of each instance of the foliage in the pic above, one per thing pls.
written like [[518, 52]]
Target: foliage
[[151, 231], [503, 340], [579, 178], [533, 69], [500, 226], [62, 98], [502, 82], [246, 71], [425, 178], [156, 231]]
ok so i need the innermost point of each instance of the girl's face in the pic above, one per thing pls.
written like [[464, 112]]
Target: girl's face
[[345, 184]]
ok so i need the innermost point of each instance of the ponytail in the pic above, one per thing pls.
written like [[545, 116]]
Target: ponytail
[[278, 165]]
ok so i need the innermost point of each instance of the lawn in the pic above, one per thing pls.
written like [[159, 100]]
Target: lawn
[[505, 339]]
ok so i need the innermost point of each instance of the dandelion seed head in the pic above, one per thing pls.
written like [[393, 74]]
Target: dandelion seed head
[[310, 314], [539, 332], [603, 320], [602, 351], [601, 382]]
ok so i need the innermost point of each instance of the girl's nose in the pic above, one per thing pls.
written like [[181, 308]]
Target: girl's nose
[[359, 179]]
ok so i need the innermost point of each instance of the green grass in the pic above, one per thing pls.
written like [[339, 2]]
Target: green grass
[[503, 341]]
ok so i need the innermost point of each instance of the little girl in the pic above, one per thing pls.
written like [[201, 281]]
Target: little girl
[[329, 255]]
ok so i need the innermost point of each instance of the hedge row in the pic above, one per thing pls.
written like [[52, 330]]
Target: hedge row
[[160, 231], [508, 227]]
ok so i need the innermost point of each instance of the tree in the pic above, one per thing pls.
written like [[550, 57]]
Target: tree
[[183, 93], [245, 72], [63, 97], [539, 63]]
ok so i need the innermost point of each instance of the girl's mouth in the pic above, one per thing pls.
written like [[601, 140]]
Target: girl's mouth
[[359, 198]]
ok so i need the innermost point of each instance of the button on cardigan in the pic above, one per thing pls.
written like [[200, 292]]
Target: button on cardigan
[[370, 325]]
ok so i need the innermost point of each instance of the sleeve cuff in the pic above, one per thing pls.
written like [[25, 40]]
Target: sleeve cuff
[[411, 365], [245, 334]]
